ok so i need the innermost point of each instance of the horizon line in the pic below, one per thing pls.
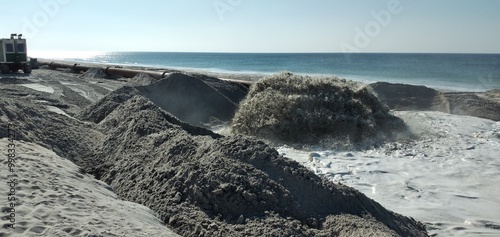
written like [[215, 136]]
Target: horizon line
[[246, 52]]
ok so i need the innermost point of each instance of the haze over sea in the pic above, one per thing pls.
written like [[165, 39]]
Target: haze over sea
[[453, 72]]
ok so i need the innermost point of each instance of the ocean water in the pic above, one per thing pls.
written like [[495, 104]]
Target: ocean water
[[455, 72]]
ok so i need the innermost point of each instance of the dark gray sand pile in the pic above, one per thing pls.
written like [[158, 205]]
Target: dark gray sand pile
[[481, 105], [411, 97], [99, 110], [93, 73], [333, 112], [141, 79], [204, 184], [195, 99], [34, 123], [200, 183], [408, 97]]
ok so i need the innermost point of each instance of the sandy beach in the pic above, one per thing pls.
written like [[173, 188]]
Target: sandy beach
[[100, 156], [56, 199]]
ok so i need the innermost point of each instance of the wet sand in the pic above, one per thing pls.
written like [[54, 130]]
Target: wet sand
[[197, 182], [116, 130]]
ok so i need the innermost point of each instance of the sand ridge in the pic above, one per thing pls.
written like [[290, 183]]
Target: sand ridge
[[55, 199], [196, 162], [422, 98], [194, 98], [199, 183], [204, 184]]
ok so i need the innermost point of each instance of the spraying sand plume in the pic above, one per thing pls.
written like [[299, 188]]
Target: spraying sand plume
[[298, 109]]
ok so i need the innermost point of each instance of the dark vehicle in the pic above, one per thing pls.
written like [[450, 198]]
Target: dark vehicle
[[13, 55]]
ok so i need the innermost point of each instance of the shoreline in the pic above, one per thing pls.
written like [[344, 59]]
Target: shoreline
[[246, 76], [398, 96], [256, 75]]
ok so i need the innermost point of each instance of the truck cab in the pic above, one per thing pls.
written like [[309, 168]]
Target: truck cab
[[13, 55]]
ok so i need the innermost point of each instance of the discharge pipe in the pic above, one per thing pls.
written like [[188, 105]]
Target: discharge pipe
[[110, 70], [119, 71]]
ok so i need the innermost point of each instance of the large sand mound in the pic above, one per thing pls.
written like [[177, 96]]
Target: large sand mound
[[203, 184], [99, 110], [93, 73], [295, 109], [35, 123], [411, 97], [194, 98]]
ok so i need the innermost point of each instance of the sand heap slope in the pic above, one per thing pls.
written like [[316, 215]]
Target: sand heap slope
[[329, 111], [409, 97], [55, 199], [421, 98], [196, 99], [204, 184], [66, 136]]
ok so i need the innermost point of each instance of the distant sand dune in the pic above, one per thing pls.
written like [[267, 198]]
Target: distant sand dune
[[411, 97]]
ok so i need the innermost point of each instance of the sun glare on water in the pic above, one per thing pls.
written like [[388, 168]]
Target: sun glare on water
[[62, 55]]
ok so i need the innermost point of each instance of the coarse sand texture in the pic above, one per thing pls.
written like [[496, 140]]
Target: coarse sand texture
[[195, 181], [332, 112], [204, 184]]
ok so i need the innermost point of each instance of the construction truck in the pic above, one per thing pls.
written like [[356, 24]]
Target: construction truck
[[13, 55]]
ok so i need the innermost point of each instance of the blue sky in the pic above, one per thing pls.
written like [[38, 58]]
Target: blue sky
[[445, 26]]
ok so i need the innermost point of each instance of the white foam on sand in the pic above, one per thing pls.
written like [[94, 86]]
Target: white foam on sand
[[449, 179], [85, 91], [55, 199], [57, 111], [39, 87]]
